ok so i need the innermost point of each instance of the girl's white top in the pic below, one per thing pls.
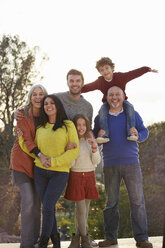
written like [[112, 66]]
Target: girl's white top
[[87, 160]]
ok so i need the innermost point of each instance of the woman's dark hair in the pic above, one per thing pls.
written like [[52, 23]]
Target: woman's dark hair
[[60, 116], [85, 119]]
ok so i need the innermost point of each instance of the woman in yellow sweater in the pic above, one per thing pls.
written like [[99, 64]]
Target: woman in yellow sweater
[[51, 172]]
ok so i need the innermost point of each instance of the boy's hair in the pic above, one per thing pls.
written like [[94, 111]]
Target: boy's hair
[[75, 119], [75, 72], [104, 61]]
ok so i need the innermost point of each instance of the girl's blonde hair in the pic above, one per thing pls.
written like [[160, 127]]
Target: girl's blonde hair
[[28, 104]]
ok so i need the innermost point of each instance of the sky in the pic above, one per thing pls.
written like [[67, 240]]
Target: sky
[[77, 33]]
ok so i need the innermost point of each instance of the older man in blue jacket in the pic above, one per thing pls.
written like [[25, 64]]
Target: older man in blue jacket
[[121, 161]]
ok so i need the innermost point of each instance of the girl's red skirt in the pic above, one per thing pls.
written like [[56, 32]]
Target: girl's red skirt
[[81, 185]]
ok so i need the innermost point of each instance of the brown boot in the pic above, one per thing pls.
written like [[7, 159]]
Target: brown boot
[[107, 242], [75, 241], [85, 243], [144, 244]]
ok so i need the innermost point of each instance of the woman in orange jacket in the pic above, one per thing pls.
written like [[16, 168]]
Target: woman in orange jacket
[[22, 167]]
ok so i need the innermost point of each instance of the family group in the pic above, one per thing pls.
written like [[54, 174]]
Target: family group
[[56, 152]]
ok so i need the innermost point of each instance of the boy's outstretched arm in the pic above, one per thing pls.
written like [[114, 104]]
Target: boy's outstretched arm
[[90, 86], [153, 70]]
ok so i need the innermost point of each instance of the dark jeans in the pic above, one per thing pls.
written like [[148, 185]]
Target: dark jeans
[[132, 176], [104, 110], [50, 186], [30, 213]]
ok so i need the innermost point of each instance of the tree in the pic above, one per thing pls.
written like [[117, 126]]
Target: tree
[[17, 74]]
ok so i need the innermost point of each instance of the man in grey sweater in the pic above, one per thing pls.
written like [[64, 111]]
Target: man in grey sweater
[[74, 103]]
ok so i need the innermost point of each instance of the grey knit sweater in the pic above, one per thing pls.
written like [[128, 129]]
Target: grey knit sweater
[[74, 107]]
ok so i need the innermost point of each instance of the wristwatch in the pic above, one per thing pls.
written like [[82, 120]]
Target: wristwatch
[[38, 155]]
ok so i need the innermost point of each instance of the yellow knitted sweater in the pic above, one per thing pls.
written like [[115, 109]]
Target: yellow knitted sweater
[[52, 144]]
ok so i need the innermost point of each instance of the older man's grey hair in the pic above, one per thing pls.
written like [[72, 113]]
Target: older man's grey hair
[[115, 87]]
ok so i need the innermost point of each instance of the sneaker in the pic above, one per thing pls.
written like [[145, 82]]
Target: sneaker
[[132, 137], [144, 244], [92, 242], [107, 242], [102, 139]]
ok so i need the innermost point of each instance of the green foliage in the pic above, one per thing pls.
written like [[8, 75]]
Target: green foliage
[[68, 222], [66, 215], [95, 218]]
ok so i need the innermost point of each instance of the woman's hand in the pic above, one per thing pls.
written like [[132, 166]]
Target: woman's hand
[[46, 161], [70, 146]]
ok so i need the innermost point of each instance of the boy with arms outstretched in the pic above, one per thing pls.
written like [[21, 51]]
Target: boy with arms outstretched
[[109, 78]]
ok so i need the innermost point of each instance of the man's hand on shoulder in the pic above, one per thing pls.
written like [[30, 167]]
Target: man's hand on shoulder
[[18, 115], [19, 132]]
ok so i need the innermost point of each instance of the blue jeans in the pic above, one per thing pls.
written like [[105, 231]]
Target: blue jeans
[[30, 213], [132, 176], [50, 186], [104, 110]]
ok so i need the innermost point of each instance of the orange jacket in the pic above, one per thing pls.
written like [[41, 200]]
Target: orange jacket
[[19, 160]]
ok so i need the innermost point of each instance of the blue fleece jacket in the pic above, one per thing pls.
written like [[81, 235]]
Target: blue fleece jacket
[[119, 150]]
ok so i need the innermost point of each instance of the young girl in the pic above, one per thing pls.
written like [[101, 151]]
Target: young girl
[[81, 186]]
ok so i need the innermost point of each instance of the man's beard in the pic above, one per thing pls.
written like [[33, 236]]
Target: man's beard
[[75, 93], [115, 105]]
